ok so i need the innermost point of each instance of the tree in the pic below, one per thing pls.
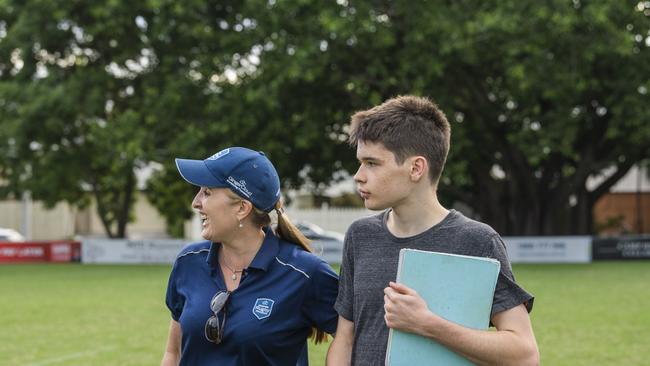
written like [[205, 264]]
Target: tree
[[76, 82], [545, 97], [542, 96], [121, 86]]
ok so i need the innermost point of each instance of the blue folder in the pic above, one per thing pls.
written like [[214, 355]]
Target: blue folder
[[456, 287]]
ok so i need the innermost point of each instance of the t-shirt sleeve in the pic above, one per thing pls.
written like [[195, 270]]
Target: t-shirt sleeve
[[174, 300], [508, 293], [344, 301], [319, 302]]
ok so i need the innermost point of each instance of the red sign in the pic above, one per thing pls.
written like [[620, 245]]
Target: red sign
[[22, 252], [61, 251]]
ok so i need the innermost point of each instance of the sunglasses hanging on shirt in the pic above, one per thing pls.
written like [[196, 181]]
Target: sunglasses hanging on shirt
[[214, 330]]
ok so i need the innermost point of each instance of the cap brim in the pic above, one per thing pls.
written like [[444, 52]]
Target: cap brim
[[197, 173]]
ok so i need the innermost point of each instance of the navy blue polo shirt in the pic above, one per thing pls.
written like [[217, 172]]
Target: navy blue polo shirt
[[282, 294]]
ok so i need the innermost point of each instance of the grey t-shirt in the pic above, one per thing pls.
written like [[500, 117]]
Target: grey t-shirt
[[370, 257]]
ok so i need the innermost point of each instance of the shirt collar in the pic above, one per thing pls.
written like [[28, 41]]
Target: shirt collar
[[213, 255], [269, 249], [263, 258]]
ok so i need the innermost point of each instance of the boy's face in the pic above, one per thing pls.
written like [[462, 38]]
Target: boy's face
[[381, 182]]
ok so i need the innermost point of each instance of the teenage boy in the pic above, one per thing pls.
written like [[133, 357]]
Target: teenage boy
[[402, 146]]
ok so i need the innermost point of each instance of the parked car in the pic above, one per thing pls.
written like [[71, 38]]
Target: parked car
[[10, 235], [326, 244]]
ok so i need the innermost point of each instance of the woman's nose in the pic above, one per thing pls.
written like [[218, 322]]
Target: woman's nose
[[196, 203]]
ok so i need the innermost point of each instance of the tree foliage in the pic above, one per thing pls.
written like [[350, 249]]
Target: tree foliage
[[542, 96], [76, 83], [549, 95]]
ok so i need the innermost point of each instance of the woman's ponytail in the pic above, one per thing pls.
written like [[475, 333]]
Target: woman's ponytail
[[289, 232]]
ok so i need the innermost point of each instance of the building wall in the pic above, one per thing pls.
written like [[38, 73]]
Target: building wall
[[615, 213], [11, 215], [149, 223], [66, 222], [46, 224], [623, 213]]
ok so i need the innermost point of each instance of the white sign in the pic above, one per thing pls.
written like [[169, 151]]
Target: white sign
[[548, 249], [130, 251]]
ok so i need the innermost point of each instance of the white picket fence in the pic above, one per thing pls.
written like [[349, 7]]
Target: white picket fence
[[333, 219]]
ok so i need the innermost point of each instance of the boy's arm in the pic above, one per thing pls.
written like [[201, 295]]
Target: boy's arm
[[340, 351], [513, 342]]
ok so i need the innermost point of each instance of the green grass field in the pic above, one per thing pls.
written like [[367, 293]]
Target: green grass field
[[593, 314]]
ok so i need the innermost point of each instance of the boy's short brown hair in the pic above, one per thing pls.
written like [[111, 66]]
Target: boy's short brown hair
[[406, 126]]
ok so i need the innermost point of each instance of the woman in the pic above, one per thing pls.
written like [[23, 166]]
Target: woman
[[246, 295]]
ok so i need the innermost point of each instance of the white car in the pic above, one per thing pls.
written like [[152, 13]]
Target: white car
[[326, 244], [10, 235]]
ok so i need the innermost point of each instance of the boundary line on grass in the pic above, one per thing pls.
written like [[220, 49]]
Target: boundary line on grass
[[71, 356]]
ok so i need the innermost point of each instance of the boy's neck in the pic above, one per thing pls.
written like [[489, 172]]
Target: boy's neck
[[416, 215]]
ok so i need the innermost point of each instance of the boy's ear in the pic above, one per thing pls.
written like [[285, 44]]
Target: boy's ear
[[419, 168]]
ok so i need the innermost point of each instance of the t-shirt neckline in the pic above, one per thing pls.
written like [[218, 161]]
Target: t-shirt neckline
[[384, 223]]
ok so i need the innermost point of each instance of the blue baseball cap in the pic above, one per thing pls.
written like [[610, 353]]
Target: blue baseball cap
[[248, 173]]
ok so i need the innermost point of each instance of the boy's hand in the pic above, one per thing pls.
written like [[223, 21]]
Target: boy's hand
[[405, 309]]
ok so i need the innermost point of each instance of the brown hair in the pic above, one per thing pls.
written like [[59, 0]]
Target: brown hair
[[286, 230], [406, 126]]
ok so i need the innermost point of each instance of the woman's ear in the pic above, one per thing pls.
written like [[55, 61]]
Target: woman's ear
[[244, 209], [419, 167]]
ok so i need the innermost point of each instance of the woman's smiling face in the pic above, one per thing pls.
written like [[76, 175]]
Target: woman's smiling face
[[218, 212]]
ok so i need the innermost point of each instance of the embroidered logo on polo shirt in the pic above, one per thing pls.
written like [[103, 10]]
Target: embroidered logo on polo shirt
[[262, 308]]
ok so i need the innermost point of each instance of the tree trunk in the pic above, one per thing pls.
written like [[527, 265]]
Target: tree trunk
[[127, 196], [102, 212]]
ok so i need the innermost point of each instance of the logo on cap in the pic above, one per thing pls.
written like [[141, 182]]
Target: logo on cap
[[262, 308], [219, 154], [240, 186]]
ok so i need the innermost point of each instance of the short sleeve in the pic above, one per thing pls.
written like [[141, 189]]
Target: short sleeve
[[345, 299], [319, 301], [174, 300], [508, 294]]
